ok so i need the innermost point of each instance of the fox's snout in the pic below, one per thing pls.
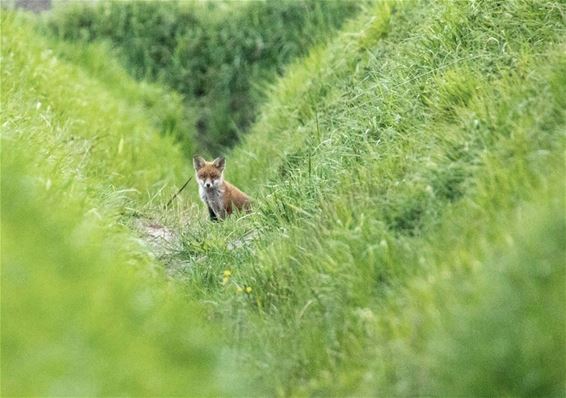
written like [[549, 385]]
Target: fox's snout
[[208, 183]]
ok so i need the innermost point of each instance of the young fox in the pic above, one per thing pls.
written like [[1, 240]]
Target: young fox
[[218, 195]]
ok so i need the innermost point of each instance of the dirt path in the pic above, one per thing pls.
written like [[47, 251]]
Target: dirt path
[[166, 244], [163, 242]]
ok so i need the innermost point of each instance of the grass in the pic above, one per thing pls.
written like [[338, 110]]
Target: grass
[[409, 234], [219, 55], [400, 172], [85, 309]]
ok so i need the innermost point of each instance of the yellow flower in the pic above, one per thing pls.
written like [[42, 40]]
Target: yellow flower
[[248, 289], [227, 273], [239, 289]]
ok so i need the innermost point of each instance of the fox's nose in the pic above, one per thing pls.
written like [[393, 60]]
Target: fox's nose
[[208, 185]]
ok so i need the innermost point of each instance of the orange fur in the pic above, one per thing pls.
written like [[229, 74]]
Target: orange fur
[[234, 198]]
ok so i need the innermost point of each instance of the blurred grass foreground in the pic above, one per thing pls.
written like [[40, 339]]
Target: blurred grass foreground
[[84, 311], [407, 160]]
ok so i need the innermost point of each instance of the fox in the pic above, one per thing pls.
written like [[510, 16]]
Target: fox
[[220, 197]]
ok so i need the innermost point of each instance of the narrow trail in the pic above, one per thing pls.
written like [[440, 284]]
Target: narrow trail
[[166, 243], [163, 242]]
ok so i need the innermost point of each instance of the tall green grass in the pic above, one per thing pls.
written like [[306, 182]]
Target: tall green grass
[[408, 237], [409, 231], [85, 309], [219, 55]]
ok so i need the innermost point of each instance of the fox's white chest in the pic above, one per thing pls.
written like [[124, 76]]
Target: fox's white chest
[[214, 199]]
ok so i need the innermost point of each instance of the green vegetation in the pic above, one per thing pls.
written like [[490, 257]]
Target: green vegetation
[[84, 309], [218, 54], [409, 234], [410, 229]]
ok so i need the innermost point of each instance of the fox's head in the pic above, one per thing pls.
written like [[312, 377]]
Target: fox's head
[[210, 175]]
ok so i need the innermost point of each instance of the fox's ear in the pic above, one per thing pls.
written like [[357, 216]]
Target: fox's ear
[[219, 163], [198, 162]]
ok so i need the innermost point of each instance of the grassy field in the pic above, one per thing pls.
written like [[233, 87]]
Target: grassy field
[[408, 237], [85, 309], [410, 228], [219, 54]]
